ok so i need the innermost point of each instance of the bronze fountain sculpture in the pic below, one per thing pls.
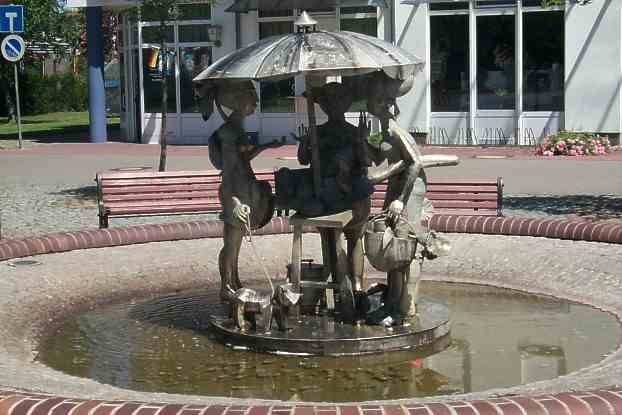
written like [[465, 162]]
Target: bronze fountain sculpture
[[336, 199]]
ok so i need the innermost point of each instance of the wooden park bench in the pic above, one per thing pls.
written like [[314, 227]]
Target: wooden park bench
[[134, 194], [456, 197]]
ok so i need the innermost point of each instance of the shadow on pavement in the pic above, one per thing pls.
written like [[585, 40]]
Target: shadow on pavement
[[82, 193], [584, 207]]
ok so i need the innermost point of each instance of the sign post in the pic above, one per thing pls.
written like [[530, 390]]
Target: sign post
[[13, 48]]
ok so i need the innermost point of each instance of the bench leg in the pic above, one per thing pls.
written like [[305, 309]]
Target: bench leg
[[103, 221]]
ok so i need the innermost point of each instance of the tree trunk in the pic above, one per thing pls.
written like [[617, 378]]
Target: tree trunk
[[10, 103], [164, 106], [9, 100]]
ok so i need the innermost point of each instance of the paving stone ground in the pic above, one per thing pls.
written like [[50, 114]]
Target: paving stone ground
[[47, 188]]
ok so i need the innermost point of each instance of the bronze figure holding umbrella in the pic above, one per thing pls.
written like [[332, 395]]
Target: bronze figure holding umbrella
[[318, 54]]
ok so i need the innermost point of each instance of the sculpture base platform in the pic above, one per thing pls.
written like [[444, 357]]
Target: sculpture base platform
[[322, 335]]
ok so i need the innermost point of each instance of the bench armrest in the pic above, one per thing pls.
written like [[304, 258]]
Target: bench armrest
[[499, 196]]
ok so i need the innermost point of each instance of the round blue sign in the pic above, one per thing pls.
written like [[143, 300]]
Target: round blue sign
[[13, 48]]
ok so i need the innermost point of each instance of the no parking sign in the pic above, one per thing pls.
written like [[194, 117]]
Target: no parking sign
[[13, 48]]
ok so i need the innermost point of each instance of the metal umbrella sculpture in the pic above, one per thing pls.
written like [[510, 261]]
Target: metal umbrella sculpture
[[313, 53]]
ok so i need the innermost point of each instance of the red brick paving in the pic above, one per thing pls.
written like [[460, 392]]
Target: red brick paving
[[576, 403]]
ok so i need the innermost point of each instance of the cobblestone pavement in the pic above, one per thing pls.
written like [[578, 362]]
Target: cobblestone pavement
[[49, 188]]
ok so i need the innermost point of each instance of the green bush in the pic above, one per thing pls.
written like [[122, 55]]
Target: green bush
[[54, 93]]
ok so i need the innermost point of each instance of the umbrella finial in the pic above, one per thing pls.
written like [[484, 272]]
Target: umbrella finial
[[304, 23]]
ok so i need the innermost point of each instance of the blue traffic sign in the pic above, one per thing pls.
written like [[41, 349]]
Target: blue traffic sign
[[12, 48], [11, 19]]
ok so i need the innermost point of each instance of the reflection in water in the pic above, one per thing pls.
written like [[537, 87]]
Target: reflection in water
[[540, 361], [500, 338]]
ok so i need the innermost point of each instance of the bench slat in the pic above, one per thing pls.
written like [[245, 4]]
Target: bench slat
[[137, 211], [446, 196], [177, 181], [158, 181], [434, 187], [158, 174], [160, 189], [444, 204], [440, 204], [160, 196], [170, 204], [172, 174], [464, 212]]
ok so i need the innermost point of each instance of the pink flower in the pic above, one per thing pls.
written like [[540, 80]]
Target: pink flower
[[548, 153], [572, 152]]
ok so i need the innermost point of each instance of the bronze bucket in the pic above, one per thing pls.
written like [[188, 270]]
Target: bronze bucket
[[398, 253], [310, 271]]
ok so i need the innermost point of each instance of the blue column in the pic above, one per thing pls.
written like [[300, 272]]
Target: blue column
[[97, 93]]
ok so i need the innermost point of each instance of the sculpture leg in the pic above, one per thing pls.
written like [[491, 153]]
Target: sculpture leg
[[405, 300], [228, 260], [354, 235], [413, 288]]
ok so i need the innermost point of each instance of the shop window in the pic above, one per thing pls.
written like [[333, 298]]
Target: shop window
[[151, 34], [495, 62], [193, 33], [267, 29], [367, 26], [543, 61], [155, 66], [449, 5], [358, 10], [315, 9], [194, 11], [275, 13], [532, 3], [277, 97], [121, 35], [133, 34], [484, 4], [192, 61], [149, 14], [449, 63]]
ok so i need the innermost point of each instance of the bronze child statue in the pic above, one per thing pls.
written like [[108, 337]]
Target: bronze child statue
[[247, 202]]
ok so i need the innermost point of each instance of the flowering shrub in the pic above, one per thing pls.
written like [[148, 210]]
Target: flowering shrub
[[568, 143]]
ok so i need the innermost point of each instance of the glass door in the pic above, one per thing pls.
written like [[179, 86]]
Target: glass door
[[496, 59], [495, 74]]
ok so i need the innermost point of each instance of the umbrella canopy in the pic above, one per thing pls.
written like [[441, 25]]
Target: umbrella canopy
[[313, 53], [244, 6]]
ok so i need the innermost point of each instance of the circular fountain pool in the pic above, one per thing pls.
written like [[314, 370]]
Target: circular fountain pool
[[499, 338]]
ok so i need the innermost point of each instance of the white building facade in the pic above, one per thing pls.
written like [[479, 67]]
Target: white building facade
[[497, 71]]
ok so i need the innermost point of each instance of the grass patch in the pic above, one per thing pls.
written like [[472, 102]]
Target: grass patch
[[52, 127]]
